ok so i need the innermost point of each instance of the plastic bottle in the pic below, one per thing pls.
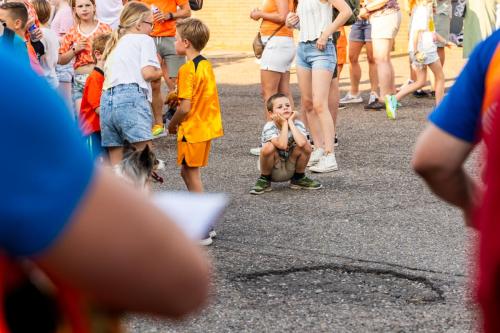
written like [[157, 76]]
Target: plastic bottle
[[31, 29]]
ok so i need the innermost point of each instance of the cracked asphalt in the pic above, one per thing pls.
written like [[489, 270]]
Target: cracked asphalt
[[373, 251]]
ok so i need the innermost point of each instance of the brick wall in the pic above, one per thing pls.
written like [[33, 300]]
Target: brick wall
[[231, 28]]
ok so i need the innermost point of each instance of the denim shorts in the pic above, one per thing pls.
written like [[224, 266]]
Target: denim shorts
[[428, 58], [310, 57], [65, 72], [361, 31], [125, 115]]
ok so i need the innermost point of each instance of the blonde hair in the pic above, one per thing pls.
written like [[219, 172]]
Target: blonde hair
[[42, 9], [195, 31], [73, 8], [132, 14], [99, 44]]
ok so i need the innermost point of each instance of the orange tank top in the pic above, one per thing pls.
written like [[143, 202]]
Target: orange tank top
[[267, 28]]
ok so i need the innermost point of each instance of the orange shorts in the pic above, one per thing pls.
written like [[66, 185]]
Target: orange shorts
[[342, 48], [193, 154]]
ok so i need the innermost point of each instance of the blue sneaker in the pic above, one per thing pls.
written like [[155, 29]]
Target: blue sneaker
[[391, 106]]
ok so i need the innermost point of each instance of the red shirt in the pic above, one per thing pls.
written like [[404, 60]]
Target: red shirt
[[488, 215], [91, 100]]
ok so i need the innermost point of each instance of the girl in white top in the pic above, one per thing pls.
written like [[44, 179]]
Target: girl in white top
[[131, 64], [316, 63], [50, 41], [108, 11], [62, 22]]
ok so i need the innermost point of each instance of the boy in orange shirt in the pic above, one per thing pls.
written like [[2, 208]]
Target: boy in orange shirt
[[198, 118], [91, 100], [165, 14]]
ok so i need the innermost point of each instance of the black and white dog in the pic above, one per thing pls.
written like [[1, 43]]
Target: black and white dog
[[138, 166]]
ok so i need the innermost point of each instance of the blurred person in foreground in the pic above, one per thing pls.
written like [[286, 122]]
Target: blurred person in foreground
[[466, 116], [79, 225]]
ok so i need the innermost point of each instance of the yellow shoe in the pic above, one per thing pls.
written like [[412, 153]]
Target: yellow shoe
[[158, 130]]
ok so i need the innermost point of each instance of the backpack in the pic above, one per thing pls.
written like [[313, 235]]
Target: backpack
[[196, 4], [354, 5]]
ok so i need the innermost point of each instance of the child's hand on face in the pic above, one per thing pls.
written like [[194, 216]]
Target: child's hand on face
[[293, 116], [279, 120]]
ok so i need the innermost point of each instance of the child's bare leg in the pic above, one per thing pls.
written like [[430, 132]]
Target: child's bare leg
[[437, 70], [192, 178], [421, 78], [78, 106], [170, 83], [141, 145], [115, 155], [267, 158], [65, 91], [157, 104], [300, 155]]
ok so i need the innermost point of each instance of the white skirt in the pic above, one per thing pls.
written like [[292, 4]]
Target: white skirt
[[278, 54]]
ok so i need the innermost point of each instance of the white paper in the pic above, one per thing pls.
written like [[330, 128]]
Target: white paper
[[194, 213]]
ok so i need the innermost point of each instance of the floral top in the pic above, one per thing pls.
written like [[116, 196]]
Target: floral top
[[390, 7], [74, 35]]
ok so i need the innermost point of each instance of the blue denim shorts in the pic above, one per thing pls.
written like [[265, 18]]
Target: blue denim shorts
[[309, 57], [125, 115], [361, 31]]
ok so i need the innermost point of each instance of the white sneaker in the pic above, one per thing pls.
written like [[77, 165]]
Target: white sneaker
[[255, 151], [327, 163], [350, 99], [315, 156], [206, 242], [410, 81], [373, 97]]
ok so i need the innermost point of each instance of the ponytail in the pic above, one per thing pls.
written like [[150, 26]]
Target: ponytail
[[111, 44], [132, 14]]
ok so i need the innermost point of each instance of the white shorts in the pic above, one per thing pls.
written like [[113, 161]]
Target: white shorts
[[278, 54], [385, 26]]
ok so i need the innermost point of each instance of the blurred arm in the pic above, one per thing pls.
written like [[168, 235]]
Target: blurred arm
[[127, 254]]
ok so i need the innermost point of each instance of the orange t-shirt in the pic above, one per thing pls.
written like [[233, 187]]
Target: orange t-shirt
[[74, 35], [91, 100], [196, 82], [267, 28], [166, 28]]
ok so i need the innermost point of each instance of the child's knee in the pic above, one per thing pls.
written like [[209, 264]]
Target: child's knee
[[267, 150], [305, 150]]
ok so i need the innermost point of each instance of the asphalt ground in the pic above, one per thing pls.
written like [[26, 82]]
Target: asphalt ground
[[373, 251]]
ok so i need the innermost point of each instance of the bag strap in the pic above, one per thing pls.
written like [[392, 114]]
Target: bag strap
[[276, 31]]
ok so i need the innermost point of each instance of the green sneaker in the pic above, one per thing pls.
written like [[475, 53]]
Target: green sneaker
[[305, 183], [262, 185], [391, 106]]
